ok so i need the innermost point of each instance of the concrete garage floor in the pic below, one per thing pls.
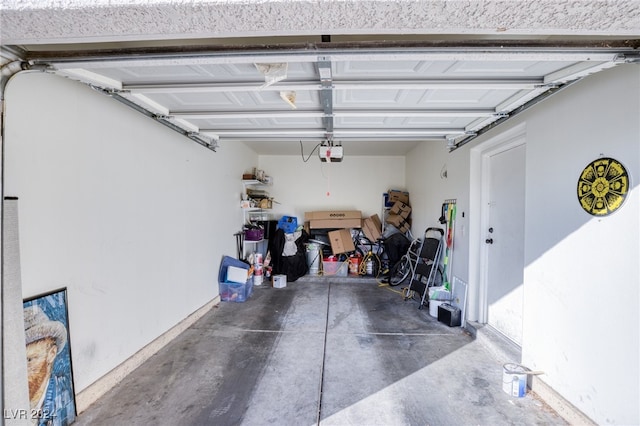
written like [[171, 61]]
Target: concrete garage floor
[[321, 351]]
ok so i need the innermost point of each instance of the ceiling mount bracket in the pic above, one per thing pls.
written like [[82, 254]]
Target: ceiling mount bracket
[[326, 93]]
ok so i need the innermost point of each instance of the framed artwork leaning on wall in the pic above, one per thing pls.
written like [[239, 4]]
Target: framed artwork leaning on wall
[[49, 370]]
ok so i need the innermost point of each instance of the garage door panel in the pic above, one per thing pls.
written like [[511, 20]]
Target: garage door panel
[[373, 98], [370, 70], [200, 73], [258, 123], [504, 69], [217, 101], [467, 98], [390, 93], [401, 122]]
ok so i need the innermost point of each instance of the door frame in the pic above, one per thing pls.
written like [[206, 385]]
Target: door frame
[[479, 201]]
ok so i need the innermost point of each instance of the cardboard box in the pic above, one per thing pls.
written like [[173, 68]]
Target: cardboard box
[[332, 215], [399, 222], [279, 281], [334, 219], [265, 203], [341, 241], [395, 195], [401, 209], [335, 223], [372, 228]]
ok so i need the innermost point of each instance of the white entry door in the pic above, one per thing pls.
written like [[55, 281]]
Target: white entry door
[[504, 239]]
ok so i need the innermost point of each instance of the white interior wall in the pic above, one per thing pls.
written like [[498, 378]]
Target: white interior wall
[[433, 176], [581, 324], [573, 259], [132, 218], [356, 183]]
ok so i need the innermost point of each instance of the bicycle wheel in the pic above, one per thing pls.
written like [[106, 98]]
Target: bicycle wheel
[[400, 271]]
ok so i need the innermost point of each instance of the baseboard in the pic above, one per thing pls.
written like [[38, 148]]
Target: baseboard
[[91, 393], [564, 408], [506, 350]]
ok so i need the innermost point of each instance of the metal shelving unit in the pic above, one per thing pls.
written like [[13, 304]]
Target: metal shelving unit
[[246, 218]]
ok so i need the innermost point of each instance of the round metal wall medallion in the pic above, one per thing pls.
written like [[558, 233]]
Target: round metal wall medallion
[[603, 186]]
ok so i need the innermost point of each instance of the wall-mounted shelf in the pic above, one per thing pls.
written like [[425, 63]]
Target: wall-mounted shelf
[[254, 182]]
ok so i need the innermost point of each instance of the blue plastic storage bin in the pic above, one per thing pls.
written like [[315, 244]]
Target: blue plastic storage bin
[[288, 224], [233, 292]]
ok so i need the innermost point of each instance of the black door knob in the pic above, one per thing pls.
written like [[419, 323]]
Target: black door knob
[[489, 241]]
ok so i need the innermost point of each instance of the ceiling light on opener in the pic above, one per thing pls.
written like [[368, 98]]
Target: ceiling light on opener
[[330, 152]]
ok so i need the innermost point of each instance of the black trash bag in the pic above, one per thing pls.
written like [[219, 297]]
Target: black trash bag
[[396, 246], [294, 266]]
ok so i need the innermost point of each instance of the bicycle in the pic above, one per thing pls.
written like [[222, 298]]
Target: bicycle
[[405, 267], [371, 251]]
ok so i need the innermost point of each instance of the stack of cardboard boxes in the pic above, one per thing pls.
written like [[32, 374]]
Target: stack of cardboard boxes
[[400, 211], [339, 220], [340, 223]]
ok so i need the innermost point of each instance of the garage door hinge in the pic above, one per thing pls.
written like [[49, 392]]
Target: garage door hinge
[[548, 86]]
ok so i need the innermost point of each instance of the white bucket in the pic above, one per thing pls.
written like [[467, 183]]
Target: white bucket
[[313, 258], [514, 380], [433, 307], [257, 279]]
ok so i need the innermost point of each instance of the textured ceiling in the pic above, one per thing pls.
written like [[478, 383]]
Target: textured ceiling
[[73, 21]]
